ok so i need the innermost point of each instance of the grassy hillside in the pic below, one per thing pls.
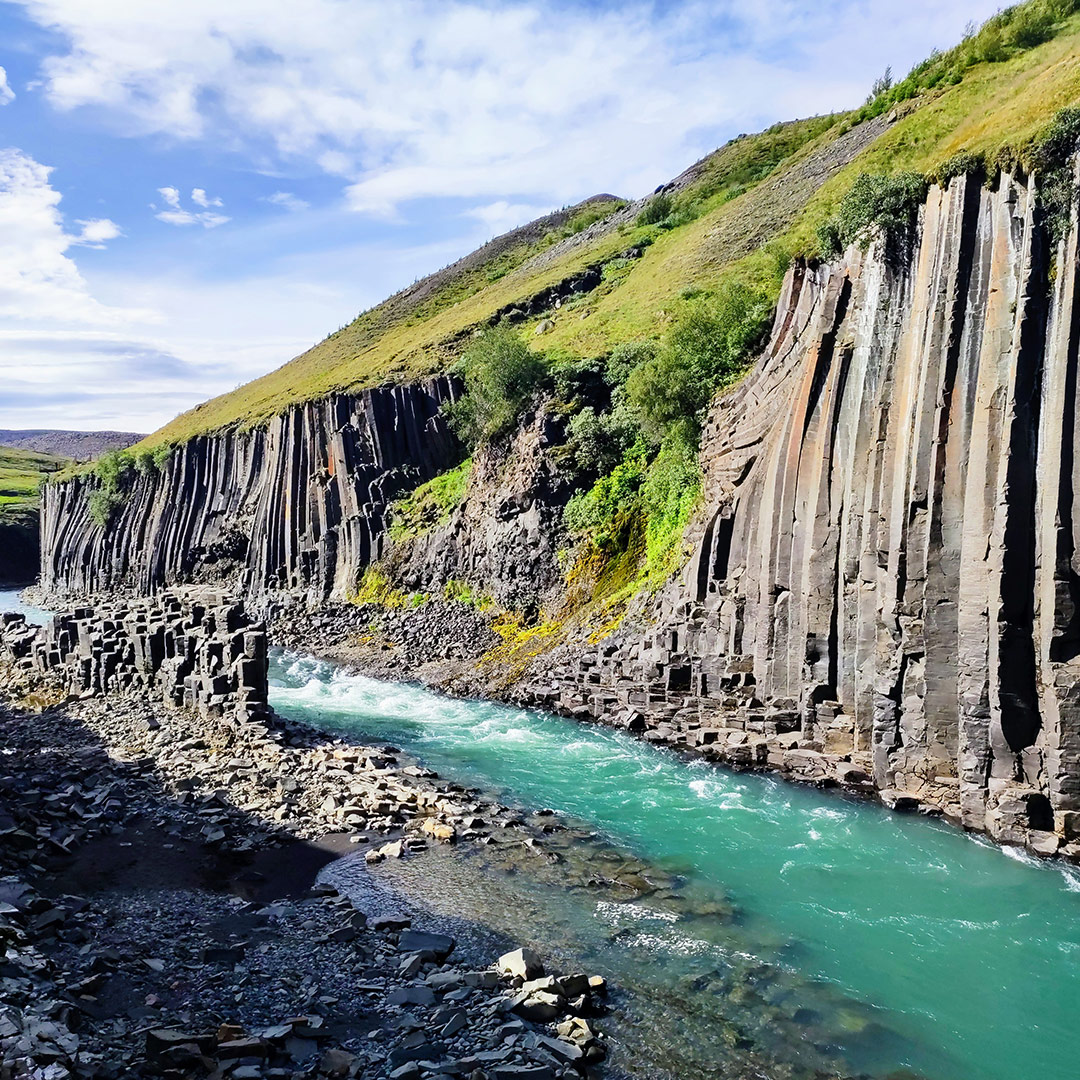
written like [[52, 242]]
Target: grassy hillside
[[739, 214], [21, 471]]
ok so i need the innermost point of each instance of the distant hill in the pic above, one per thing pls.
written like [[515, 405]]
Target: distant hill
[[77, 445]]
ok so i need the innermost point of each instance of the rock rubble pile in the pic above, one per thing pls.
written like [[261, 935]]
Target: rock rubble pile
[[155, 918], [201, 651]]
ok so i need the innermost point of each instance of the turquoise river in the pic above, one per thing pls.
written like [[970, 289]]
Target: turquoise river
[[791, 933], [822, 935]]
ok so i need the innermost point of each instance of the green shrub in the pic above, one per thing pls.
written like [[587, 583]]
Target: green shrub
[[1028, 26], [597, 511], [884, 206], [1051, 156], [575, 377], [963, 163], [669, 495], [102, 504], [501, 375], [161, 455], [663, 492], [828, 239], [705, 349], [624, 358], [1057, 142], [599, 441], [655, 210], [143, 461], [114, 469]]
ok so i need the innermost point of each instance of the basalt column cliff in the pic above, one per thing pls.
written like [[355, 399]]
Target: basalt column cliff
[[887, 560], [294, 507], [885, 576]]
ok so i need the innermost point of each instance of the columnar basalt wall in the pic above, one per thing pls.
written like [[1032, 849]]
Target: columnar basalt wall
[[297, 507], [201, 652], [885, 583], [886, 575]]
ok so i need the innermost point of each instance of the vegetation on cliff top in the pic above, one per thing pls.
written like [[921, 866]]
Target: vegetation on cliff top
[[723, 220], [114, 472]]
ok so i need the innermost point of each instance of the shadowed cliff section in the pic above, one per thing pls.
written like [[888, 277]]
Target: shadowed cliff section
[[296, 507]]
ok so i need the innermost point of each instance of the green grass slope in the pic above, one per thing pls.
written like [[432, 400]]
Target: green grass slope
[[739, 214], [21, 473]]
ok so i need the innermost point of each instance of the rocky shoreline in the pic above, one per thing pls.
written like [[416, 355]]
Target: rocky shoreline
[[445, 643], [158, 917]]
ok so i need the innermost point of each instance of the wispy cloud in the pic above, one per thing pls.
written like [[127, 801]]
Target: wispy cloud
[[175, 214], [6, 93], [288, 201], [521, 100]]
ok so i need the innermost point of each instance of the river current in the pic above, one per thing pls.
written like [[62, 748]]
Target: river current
[[774, 924]]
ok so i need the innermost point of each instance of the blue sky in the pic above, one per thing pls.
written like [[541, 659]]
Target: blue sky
[[192, 192]]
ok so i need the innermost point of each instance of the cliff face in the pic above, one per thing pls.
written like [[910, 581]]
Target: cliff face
[[505, 536], [885, 579], [886, 571], [296, 507]]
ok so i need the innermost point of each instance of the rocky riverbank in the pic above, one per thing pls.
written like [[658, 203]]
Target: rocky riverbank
[[447, 645], [452, 646], [158, 918]]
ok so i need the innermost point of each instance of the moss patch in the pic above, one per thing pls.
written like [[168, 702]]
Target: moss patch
[[430, 505]]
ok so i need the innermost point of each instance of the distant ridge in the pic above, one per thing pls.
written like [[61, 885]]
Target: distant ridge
[[78, 445]]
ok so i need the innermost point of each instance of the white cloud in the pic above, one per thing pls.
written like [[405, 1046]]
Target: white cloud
[[38, 279], [288, 201], [68, 356], [6, 93], [200, 198], [73, 360], [96, 232], [461, 98], [177, 215]]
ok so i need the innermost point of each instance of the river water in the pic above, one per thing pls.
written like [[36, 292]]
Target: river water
[[11, 600], [760, 929], [756, 928]]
